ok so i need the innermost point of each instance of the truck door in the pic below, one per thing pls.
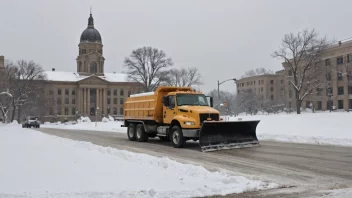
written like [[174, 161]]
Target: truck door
[[169, 109]]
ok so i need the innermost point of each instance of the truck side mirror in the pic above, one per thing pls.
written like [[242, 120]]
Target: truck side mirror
[[166, 101], [210, 101]]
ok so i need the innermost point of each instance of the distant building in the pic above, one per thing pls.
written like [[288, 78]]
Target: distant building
[[89, 90], [335, 75]]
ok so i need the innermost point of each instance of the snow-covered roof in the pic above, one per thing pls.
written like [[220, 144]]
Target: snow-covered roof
[[142, 94], [74, 77]]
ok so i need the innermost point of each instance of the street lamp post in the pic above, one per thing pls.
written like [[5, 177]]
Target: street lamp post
[[219, 83]]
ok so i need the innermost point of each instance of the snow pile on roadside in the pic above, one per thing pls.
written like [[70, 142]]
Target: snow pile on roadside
[[38, 165], [312, 128], [110, 126], [84, 119]]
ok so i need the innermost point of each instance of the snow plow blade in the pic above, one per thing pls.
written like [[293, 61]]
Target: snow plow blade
[[220, 135]]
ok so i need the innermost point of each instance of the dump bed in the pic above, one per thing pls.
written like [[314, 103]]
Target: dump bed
[[149, 105]]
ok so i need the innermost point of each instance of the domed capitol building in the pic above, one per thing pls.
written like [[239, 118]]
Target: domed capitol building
[[89, 91]]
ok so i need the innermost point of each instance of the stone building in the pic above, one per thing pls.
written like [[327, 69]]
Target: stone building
[[335, 82], [269, 88], [89, 91]]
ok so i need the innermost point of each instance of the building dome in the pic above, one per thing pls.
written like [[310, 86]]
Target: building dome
[[90, 34]]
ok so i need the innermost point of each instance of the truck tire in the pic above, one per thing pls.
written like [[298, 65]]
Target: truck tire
[[176, 137], [131, 132], [141, 135]]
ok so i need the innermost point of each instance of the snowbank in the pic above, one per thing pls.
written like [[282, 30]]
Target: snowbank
[[38, 165], [312, 128]]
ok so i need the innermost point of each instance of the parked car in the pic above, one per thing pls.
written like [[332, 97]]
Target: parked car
[[31, 121]]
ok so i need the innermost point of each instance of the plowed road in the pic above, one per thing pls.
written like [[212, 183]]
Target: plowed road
[[303, 169]]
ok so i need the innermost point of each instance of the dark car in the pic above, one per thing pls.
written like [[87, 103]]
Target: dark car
[[31, 121]]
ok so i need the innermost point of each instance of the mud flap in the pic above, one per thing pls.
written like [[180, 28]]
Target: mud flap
[[219, 135]]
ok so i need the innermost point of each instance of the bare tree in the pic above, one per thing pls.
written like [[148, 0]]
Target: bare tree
[[258, 71], [247, 101], [25, 80], [301, 54], [146, 66], [226, 97], [184, 77]]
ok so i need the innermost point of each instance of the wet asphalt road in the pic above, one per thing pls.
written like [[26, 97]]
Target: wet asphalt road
[[303, 170]]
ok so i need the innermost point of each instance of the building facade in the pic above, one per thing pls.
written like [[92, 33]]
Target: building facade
[[89, 91], [335, 82]]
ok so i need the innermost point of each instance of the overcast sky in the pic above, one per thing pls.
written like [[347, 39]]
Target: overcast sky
[[223, 39]]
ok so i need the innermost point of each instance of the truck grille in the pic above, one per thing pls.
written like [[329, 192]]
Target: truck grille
[[204, 116]]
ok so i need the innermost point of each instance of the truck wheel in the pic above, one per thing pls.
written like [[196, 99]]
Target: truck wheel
[[176, 137], [141, 135], [131, 132]]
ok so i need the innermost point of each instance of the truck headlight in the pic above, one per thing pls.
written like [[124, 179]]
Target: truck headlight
[[189, 123]]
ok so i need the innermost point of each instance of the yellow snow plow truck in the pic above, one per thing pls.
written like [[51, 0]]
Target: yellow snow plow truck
[[178, 114]]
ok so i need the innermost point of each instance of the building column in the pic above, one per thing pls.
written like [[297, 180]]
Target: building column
[[101, 100], [97, 98], [88, 101], [83, 101], [104, 100]]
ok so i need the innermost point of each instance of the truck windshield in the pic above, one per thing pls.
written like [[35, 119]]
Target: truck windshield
[[191, 99]]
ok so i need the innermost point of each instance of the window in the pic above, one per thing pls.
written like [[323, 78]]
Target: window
[[59, 92], [349, 75], [121, 111], [290, 72], [282, 92], [129, 93], [51, 92], [349, 89], [73, 100], [109, 92], [272, 82], [327, 62], [73, 111], [93, 67], [59, 111], [254, 82], [290, 93], [349, 57], [282, 81], [115, 111], [319, 105], [329, 104], [259, 82], [261, 89], [121, 101], [339, 60], [67, 101], [319, 91], [108, 110], [115, 92], [121, 92], [340, 104], [67, 92], [247, 83], [289, 104], [58, 101], [109, 100], [73, 92], [242, 84], [339, 76], [115, 100], [329, 91], [51, 112], [328, 76], [340, 90], [271, 89], [272, 97], [66, 111]]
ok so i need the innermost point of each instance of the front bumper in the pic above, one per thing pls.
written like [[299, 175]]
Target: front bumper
[[191, 132]]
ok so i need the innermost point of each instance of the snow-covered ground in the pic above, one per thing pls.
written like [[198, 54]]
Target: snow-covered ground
[[340, 193], [313, 128], [34, 164]]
